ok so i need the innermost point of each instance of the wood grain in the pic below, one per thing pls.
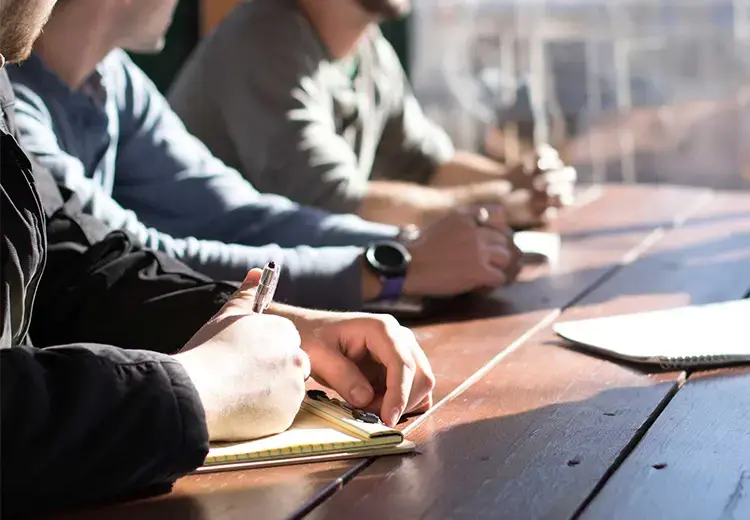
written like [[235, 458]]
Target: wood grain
[[537, 434], [598, 238], [694, 462]]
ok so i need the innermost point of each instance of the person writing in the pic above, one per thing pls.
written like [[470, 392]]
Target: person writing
[[118, 364]]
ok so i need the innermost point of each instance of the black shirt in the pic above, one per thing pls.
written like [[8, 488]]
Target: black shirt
[[93, 408]]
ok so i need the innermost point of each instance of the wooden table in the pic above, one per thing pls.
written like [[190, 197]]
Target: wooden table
[[526, 428]]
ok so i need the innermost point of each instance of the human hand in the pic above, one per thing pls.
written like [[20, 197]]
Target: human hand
[[457, 255], [248, 369], [524, 206], [544, 172], [370, 360]]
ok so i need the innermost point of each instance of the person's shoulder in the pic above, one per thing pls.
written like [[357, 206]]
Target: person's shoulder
[[34, 73], [116, 62], [20, 92], [121, 74], [265, 30]]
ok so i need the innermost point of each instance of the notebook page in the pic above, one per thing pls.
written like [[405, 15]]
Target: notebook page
[[308, 434], [705, 330]]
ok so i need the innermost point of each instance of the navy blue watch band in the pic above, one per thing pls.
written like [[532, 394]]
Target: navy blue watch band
[[392, 287]]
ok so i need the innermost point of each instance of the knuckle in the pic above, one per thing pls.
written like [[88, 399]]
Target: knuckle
[[429, 380], [301, 360], [493, 278], [387, 323], [409, 364]]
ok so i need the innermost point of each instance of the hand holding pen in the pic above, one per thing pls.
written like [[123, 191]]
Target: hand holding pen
[[247, 367]]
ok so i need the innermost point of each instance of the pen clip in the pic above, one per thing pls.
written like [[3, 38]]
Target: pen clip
[[359, 415]]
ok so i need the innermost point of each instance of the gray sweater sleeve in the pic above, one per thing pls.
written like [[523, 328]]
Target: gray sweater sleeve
[[273, 116], [279, 117], [412, 146]]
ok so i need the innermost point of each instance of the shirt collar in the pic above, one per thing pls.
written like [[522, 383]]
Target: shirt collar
[[93, 87]]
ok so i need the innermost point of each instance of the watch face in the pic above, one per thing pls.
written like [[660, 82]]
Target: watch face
[[389, 258]]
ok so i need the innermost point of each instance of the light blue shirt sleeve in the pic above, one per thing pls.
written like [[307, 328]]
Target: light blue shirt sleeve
[[311, 277], [174, 183]]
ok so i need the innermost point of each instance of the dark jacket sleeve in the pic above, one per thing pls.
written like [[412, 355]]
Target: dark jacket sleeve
[[101, 287], [85, 423]]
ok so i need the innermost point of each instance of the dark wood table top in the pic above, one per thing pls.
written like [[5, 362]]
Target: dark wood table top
[[525, 427]]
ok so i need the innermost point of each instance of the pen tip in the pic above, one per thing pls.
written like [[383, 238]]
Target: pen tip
[[272, 265]]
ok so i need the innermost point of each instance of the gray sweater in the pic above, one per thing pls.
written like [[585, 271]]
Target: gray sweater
[[119, 146], [265, 96]]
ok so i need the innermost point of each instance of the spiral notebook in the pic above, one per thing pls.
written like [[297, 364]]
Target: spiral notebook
[[695, 336], [324, 429]]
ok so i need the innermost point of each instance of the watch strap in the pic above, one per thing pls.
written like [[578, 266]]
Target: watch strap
[[392, 287]]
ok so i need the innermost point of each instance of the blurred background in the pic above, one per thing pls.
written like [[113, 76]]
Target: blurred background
[[647, 91]]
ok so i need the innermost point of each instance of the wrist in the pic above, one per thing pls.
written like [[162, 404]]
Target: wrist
[[371, 284], [462, 195], [194, 369]]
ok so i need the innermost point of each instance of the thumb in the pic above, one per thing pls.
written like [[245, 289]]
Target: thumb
[[252, 279], [246, 291], [335, 370]]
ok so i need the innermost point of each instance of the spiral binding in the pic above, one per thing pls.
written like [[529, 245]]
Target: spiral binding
[[691, 361]]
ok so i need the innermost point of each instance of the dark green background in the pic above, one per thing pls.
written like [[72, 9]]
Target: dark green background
[[185, 32]]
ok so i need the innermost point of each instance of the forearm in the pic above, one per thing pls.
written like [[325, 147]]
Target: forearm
[[112, 291], [468, 168], [85, 423], [401, 203]]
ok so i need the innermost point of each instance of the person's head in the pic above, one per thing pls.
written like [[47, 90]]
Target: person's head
[[142, 24], [386, 9], [21, 21]]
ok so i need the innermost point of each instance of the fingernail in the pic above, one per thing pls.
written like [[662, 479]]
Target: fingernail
[[361, 396], [394, 417]]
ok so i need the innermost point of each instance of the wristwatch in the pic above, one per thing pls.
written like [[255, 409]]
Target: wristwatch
[[389, 260]]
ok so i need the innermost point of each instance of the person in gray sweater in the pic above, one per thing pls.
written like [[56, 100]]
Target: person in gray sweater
[[87, 113], [308, 100]]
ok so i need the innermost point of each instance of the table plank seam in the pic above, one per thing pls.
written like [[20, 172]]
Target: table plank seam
[[631, 446], [331, 488], [628, 258]]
